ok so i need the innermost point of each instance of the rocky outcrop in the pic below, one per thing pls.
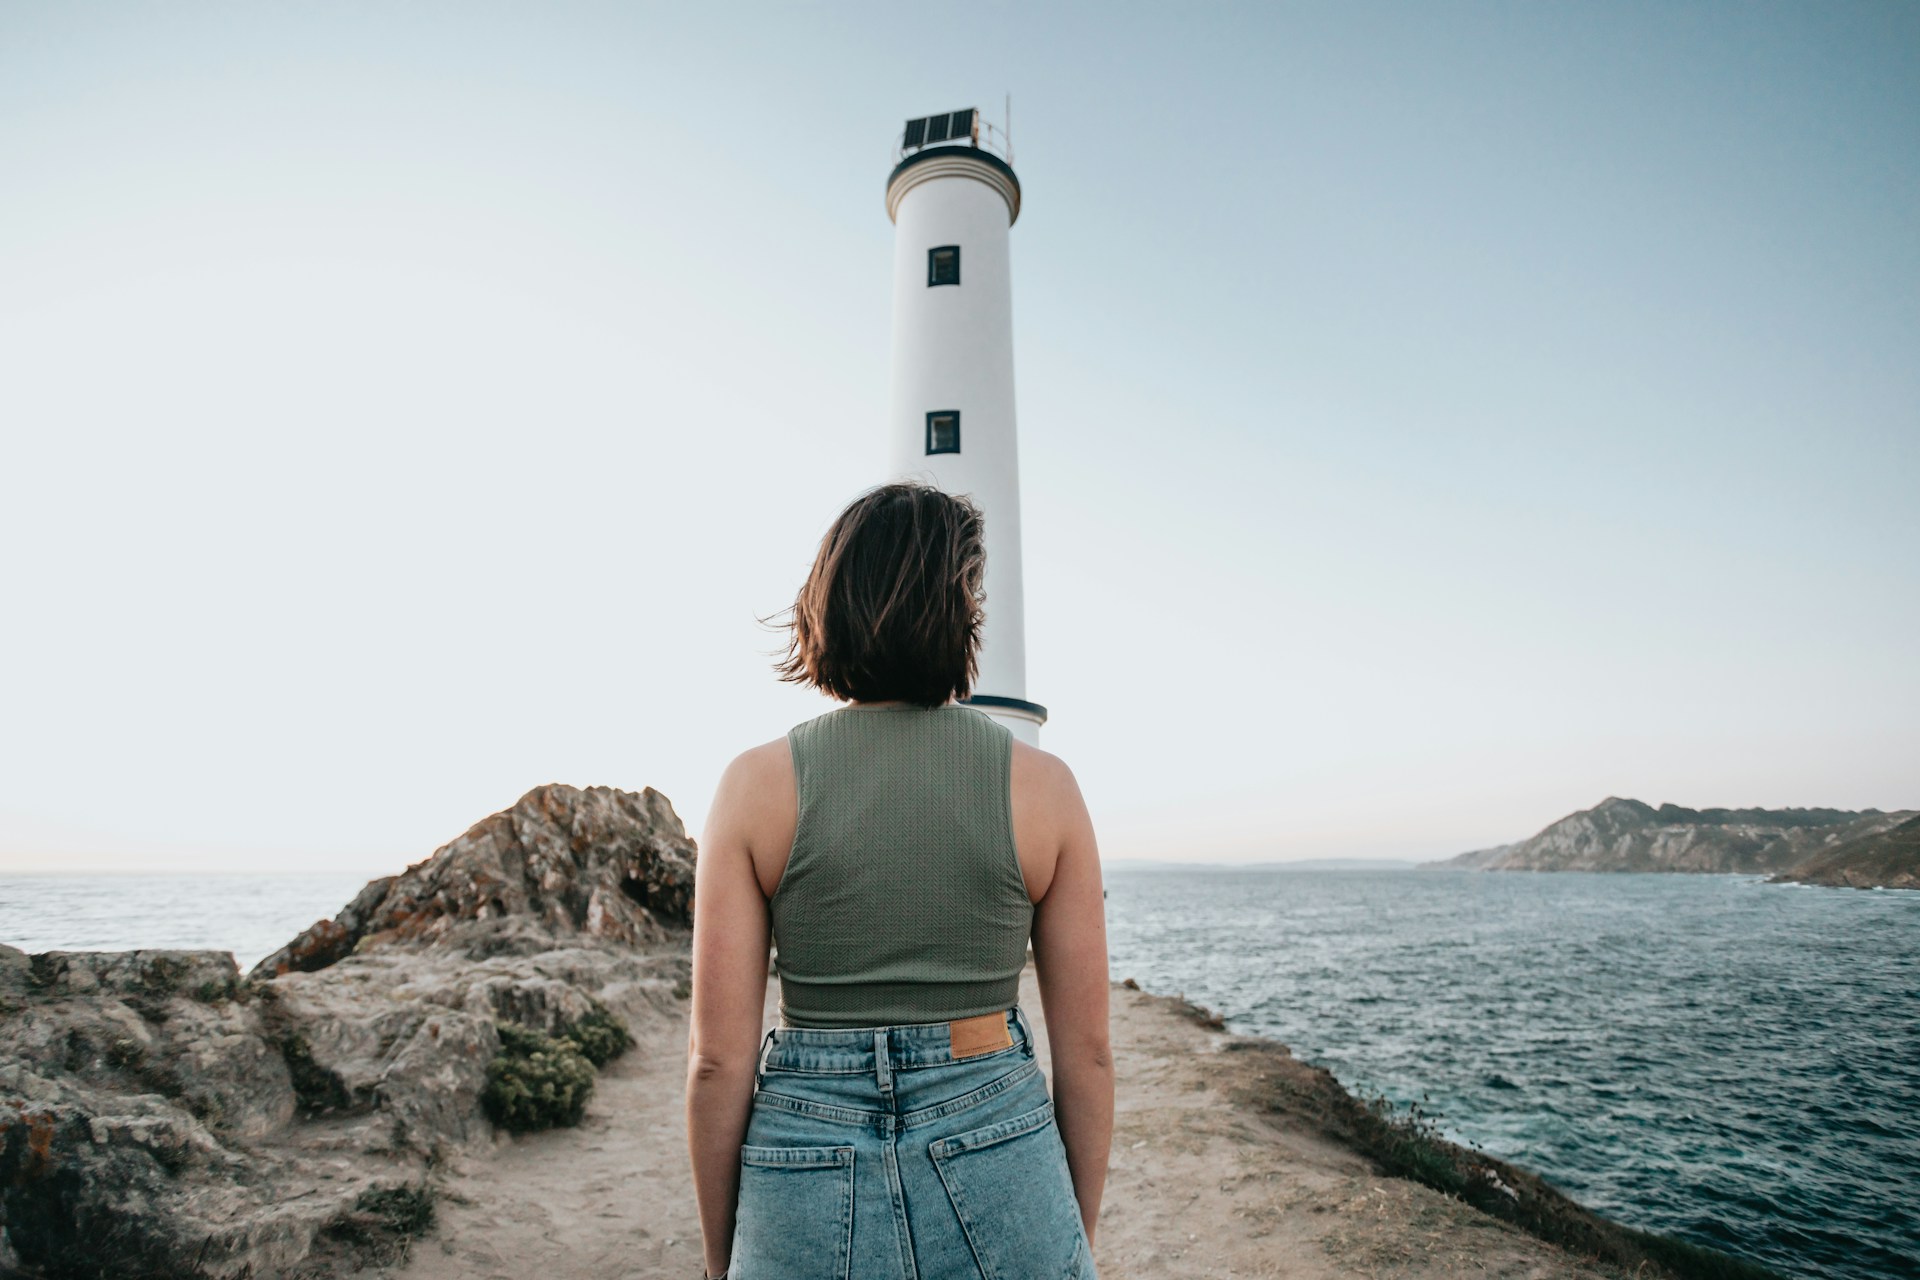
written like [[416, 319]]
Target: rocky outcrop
[[608, 864], [1627, 835], [162, 1117], [151, 1124], [1888, 859]]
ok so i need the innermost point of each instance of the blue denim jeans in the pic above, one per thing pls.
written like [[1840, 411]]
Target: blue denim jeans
[[874, 1154]]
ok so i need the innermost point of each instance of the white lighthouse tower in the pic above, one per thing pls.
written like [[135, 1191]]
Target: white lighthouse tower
[[953, 196]]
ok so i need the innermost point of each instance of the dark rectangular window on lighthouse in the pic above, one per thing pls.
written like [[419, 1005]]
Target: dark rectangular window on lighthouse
[[943, 431], [943, 265]]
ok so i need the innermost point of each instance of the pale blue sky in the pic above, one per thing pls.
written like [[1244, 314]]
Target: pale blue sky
[[1435, 419]]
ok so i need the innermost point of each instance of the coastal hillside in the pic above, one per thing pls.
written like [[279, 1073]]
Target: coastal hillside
[[1629, 835], [1878, 859], [1476, 859]]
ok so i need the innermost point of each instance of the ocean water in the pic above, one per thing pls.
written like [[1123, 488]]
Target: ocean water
[[251, 916], [1720, 1059], [1732, 1062]]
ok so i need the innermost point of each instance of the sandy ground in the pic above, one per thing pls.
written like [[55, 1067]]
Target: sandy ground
[[1203, 1183]]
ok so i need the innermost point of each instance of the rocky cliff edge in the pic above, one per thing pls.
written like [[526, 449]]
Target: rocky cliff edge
[[161, 1116]]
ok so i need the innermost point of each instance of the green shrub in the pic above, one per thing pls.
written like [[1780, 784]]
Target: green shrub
[[600, 1035], [1410, 1146], [401, 1210], [381, 1227], [536, 1082]]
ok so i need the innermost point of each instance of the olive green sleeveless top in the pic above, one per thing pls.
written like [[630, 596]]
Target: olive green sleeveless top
[[902, 900]]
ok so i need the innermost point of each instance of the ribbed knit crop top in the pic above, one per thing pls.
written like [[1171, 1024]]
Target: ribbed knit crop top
[[903, 899]]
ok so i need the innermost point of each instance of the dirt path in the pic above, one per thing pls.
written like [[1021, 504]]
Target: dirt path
[[609, 1200], [1203, 1184]]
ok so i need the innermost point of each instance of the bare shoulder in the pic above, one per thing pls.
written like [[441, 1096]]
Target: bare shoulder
[[757, 784], [768, 763], [1049, 815], [756, 809], [1042, 775]]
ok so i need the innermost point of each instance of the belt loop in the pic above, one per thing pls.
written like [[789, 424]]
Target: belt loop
[[882, 1069], [1020, 1020], [760, 1060]]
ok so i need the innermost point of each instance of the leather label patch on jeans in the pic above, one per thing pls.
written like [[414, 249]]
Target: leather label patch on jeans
[[974, 1036]]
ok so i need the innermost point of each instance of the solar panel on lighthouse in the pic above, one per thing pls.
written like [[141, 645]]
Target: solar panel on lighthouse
[[930, 129]]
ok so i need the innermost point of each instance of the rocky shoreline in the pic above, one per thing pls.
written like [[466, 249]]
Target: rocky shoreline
[[356, 1104], [1881, 859]]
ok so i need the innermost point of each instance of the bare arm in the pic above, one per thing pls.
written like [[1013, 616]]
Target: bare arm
[[730, 947], [1070, 958]]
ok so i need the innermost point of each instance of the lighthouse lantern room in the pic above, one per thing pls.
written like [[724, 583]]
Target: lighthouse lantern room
[[953, 197]]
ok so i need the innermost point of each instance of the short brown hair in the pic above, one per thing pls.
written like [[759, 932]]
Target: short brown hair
[[893, 606]]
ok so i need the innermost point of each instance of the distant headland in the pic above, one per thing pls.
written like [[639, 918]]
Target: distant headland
[[1862, 849]]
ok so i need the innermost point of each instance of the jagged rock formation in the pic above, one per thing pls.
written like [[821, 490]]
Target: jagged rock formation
[[1627, 835], [1888, 859], [162, 1117], [605, 863]]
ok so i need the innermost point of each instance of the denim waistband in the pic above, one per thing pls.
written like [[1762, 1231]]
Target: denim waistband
[[837, 1050]]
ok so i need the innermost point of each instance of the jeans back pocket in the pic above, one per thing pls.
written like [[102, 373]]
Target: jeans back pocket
[[794, 1219], [1011, 1188]]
